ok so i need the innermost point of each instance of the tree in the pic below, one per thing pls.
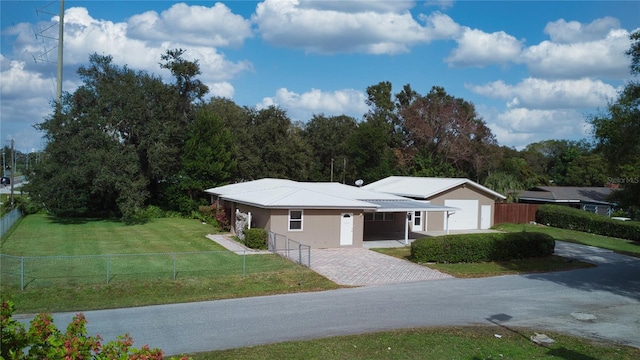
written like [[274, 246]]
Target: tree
[[449, 130], [116, 139], [279, 146], [617, 131], [207, 162], [238, 120], [504, 183], [369, 156], [328, 138]]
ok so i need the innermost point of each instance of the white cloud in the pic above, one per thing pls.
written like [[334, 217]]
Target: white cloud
[[478, 48], [222, 89], [535, 93], [519, 126], [16, 82], [332, 27], [564, 32], [197, 25], [302, 106], [596, 57]]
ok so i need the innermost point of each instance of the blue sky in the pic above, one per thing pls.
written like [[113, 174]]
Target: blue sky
[[534, 70]]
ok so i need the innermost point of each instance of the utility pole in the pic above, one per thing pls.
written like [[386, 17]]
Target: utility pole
[[331, 169], [60, 42], [13, 168]]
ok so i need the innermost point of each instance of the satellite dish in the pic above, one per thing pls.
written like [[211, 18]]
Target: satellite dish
[[359, 182]]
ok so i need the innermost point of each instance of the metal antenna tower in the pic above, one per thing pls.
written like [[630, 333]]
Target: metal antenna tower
[[43, 34]]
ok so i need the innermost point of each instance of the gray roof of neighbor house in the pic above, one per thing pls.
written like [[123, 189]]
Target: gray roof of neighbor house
[[288, 194], [424, 187], [567, 194]]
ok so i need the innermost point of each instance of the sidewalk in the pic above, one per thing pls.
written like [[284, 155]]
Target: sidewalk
[[235, 246]]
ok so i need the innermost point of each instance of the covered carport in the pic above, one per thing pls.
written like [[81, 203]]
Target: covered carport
[[406, 208]]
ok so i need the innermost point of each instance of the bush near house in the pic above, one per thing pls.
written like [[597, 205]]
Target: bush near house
[[573, 219], [467, 248], [256, 238]]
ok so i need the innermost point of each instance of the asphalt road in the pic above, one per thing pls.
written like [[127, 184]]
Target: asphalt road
[[600, 303]]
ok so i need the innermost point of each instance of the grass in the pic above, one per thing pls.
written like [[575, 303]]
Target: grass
[[547, 264], [433, 343], [622, 246], [494, 268], [137, 278]]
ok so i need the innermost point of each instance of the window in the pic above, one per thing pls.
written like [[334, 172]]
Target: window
[[295, 220], [379, 216]]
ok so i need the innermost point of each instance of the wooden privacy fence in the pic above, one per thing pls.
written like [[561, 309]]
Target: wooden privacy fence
[[514, 213]]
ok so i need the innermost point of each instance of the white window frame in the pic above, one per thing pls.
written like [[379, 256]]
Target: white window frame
[[301, 220]]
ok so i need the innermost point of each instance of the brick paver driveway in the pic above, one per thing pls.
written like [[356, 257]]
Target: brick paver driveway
[[360, 266]]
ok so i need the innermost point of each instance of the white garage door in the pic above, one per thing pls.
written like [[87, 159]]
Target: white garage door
[[464, 219]]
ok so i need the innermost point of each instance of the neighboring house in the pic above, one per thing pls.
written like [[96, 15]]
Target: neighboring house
[[593, 199], [322, 215], [474, 201]]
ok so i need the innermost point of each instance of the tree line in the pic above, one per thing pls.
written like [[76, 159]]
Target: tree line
[[125, 140]]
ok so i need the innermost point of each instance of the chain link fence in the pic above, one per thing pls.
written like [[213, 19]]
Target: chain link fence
[[47, 271], [290, 249], [8, 220]]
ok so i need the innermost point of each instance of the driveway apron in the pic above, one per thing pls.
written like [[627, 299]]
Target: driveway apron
[[360, 266]]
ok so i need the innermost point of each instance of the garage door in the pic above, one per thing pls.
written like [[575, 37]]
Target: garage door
[[464, 219]]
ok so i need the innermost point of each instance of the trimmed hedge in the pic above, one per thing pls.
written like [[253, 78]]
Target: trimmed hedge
[[256, 238], [467, 248], [565, 217]]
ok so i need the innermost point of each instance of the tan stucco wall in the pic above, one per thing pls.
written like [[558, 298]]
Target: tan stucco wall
[[435, 220], [320, 228], [260, 218]]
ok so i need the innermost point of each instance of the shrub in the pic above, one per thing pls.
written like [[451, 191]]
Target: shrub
[[153, 212], [482, 247], [222, 216], [256, 238], [573, 219], [44, 340]]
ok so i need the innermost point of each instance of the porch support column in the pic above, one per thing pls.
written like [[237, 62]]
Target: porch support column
[[406, 229], [447, 221]]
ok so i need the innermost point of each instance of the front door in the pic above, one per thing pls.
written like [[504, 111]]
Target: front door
[[417, 221], [485, 217], [346, 229]]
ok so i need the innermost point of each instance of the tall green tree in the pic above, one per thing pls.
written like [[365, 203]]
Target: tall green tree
[[207, 161], [370, 158], [239, 121], [116, 138], [328, 138], [617, 130], [279, 146]]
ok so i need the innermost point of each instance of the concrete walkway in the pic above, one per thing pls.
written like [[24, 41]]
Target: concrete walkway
[[235, 246]]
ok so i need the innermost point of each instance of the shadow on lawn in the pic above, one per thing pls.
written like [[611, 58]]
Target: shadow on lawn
[[81, 220]]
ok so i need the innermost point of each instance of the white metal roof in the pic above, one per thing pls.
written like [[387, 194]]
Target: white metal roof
[[423, 187], [409, 205], [281, 193]]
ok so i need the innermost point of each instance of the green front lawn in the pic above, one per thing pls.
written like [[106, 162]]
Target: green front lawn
[[145, 275]]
